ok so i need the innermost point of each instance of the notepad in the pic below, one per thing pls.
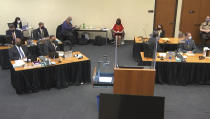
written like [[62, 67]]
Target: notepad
[[18, 63]]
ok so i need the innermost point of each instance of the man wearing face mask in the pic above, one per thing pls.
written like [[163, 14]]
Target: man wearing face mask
[[18, 23], [13, 33], [69, 31], [188, 45], [41, 32], [205, 30], [18, 51]]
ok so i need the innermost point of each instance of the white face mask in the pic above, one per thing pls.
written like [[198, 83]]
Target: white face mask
[[190, 37], [71, 22], [18, 21]]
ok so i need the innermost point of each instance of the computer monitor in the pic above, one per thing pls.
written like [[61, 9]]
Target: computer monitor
[[9, 24], [113, 106]]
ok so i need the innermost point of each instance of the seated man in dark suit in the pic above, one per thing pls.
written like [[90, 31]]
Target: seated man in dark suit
[[18, 51], [13, 33], [40, 32], [188, 44], [51, 44], [48, 46]]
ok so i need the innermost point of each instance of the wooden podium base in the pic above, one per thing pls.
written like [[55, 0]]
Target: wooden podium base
[[134, 81]]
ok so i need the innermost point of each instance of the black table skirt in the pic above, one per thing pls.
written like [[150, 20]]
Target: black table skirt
[[60, 76], [4, 59], [4, 56], [177, 73], [139, 47]]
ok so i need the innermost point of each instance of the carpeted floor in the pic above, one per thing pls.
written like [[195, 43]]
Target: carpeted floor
[[79, 102]]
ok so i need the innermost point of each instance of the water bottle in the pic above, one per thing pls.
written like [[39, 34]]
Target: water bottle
[[170, 56], [83, 25]]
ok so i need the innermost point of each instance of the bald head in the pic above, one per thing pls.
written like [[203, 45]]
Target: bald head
[[18, 41]]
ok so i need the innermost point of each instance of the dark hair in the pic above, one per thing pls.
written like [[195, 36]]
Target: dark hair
[[187, 33], [40, 23], [118, 21], [17, 18], [52, 36]]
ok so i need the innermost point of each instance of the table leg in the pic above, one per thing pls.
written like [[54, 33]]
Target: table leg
[[106, 37]]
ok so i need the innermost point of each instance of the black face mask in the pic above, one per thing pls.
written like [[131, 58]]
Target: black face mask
[[18, 44], [42, 27]]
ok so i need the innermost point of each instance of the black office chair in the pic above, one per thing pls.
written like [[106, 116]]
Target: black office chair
[[35, 34], [67, 45], [59, 33]]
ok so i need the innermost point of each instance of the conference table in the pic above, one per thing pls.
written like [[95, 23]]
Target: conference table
[[166, 44], [33, 49], [61, 74], [193, 71]]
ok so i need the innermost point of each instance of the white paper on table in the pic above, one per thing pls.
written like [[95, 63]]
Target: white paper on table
[[190, 54], [18, 63], [162, 54], [165, 39], [105, 79], [60, 53], [185, 57]]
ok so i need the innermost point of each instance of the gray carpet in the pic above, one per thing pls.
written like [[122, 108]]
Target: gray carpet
[[79, 102]]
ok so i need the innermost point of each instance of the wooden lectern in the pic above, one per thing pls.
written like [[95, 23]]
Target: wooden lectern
[[134, 81]]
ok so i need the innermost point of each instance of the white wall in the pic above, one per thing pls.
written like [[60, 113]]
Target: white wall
[[95, 13]]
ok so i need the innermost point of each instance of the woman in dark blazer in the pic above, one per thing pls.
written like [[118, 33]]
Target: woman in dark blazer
[[160, 31], [17, 23]]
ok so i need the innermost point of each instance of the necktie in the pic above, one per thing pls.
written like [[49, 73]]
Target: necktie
[[21, 53]]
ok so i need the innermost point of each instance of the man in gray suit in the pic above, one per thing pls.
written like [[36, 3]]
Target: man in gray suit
[[18, 51], [48, 46], [188, 44]]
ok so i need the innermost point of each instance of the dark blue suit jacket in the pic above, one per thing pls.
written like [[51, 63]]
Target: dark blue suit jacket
[[14, 54], [17, 32]]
